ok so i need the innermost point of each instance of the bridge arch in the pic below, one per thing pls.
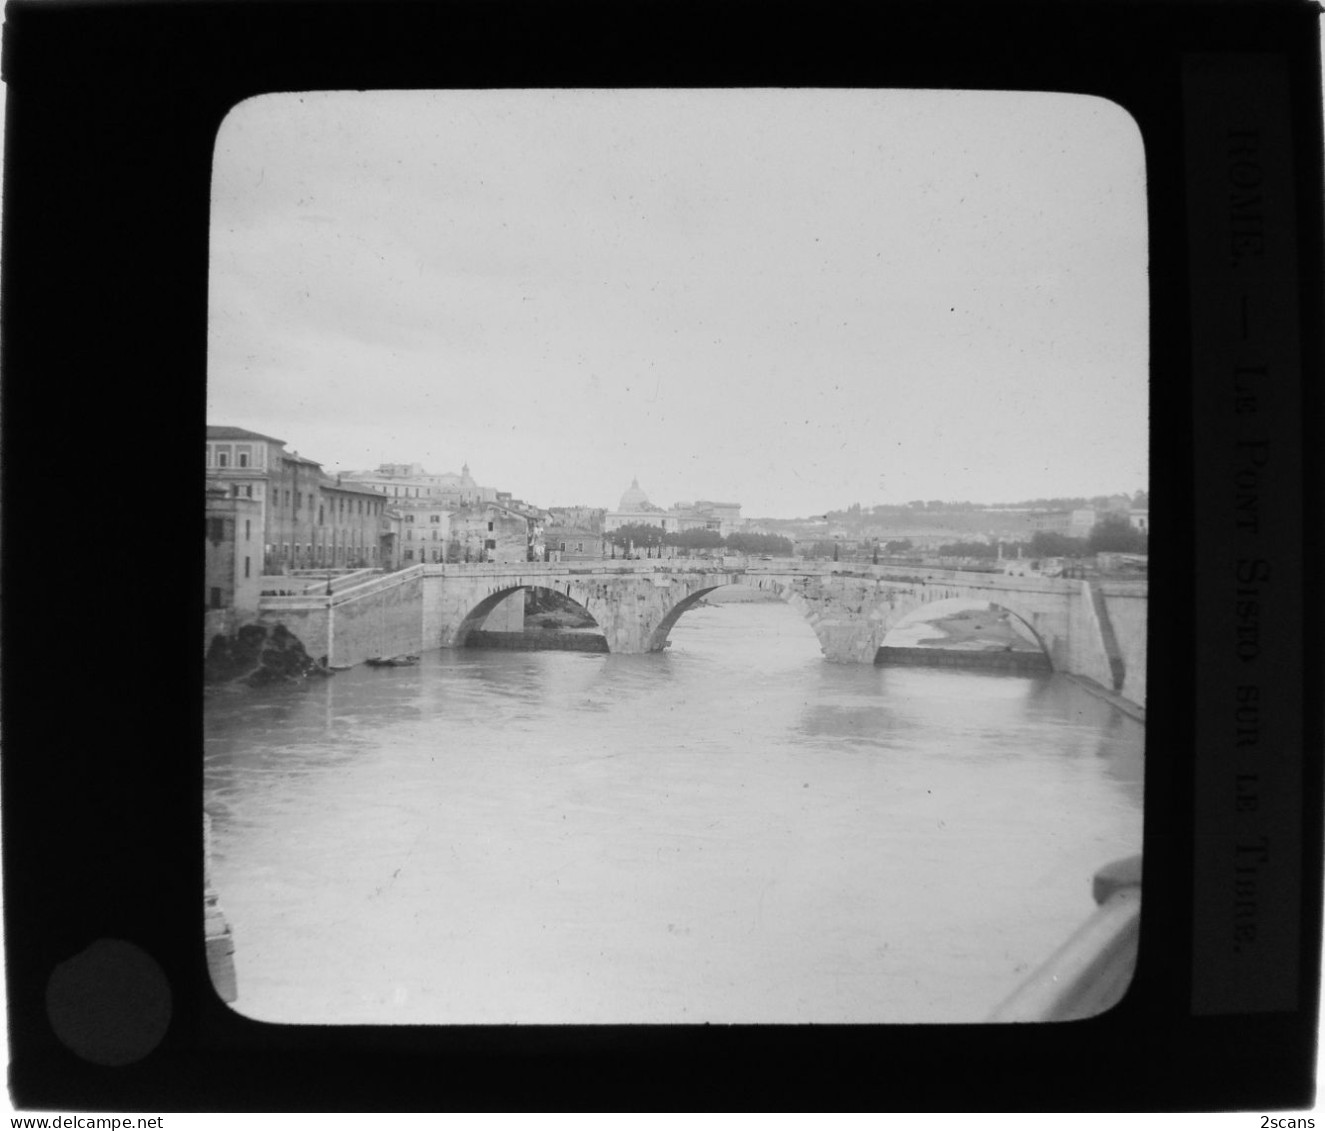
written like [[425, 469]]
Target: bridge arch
[[478, 613], [785, 592], [933, 605]]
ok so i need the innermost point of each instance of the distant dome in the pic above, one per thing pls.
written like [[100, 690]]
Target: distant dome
[[634, 500]]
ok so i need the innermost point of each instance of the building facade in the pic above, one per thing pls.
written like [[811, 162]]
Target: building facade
[[308, 519], [635, 509], [488, 532], [405, 481], [573, 544], [425, 530], [232, 554]]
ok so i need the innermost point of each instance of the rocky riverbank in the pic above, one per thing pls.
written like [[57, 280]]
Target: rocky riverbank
[[257, 656]]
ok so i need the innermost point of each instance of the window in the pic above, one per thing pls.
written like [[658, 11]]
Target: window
[[235, 487], [246, 572], [216, 598], [434, 518], [563, 547], [579, 546], [434, 536], [409, 555], [215, 529], [320, 515], [298, 499], [409, 518], [243, 459], [222, 460], [248, 530], [489, 526], [248, 492]]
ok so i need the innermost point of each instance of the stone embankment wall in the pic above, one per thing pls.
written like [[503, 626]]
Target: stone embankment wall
[[385, 621]]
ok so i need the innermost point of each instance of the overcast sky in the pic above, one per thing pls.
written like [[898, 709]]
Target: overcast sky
[[794, 300]]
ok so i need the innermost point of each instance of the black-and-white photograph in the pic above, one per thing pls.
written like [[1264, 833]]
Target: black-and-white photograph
[[675, 556]]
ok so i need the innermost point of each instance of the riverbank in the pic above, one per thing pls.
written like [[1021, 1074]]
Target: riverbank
[[992, 630], [258, 656]]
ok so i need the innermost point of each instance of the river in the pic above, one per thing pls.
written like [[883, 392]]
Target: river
[[734, 830]]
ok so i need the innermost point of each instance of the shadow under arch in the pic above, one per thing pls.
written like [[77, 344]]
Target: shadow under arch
[[947, 606], [479, 613], [788, 595]]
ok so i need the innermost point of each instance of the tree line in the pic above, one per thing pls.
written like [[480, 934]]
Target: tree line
[[1112, 534], [643, 536]]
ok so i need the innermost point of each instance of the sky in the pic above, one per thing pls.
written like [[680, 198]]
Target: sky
[[791, 299]]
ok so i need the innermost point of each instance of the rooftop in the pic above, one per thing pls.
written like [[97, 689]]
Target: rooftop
[[227, 432]]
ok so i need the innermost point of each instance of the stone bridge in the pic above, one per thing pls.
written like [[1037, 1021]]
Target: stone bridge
[[1097, 633]]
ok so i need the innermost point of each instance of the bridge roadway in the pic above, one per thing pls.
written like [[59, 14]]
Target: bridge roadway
[[851, 607]]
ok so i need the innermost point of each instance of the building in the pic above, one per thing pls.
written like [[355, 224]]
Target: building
[[308, 520], [573, 544], [425, 529], [577, 518], [488, 532], [636, 510], [402, 481], [232, 555], [724, 518]]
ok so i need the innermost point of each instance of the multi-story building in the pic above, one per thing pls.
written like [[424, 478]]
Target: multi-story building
[[308, 520], [403, 481], [488, 532], [233, 551], [573, 543], [425, 530]]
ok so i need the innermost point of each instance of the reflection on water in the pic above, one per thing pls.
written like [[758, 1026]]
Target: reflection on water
[[730, 831]]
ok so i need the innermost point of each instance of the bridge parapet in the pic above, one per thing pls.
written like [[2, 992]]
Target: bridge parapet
[[786, 567], [376, 584]]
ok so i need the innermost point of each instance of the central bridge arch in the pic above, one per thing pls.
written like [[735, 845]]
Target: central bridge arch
[[479, 613], [788, 595]]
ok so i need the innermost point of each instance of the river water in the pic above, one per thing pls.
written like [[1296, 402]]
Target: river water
[[734, 830]]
